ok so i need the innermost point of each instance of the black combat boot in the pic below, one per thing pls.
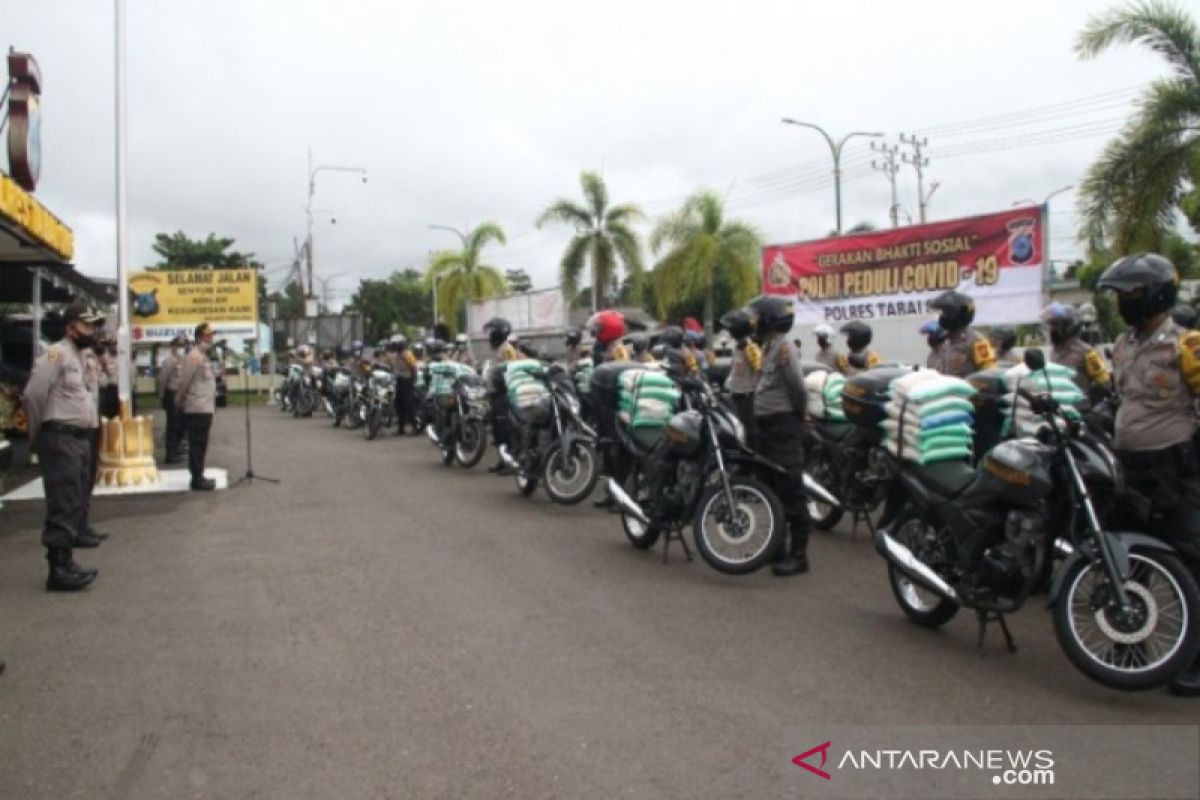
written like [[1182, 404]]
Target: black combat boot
[[87, 540], [795, 562], [65, 575]]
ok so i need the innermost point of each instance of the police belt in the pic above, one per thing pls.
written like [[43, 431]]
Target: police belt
[[1180, 457], [54, 426]]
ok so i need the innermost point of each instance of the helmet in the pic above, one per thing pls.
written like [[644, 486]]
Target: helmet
[[461, 340], [1146, 285], [958, 310], [823, 332], [574, 337], [858, 334], [672, 336], [435, 347], [1184, 315], [1087, 313], [398, 342], [418, 348], [607, 326], [737, 323], [658, 352], [639, 343], [1062, 321], [1004, 338], [771, 314], [498, 330], [303, 351]]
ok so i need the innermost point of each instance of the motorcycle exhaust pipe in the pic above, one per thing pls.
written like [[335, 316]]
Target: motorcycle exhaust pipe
[[904, 560], [627, 503], [507, 458], [432, 434], [819, 493]]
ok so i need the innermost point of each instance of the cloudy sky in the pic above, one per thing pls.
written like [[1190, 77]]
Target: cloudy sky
[[470, 111]]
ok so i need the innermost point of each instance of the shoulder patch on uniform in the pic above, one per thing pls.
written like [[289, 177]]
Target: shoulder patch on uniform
[[1191, 340], [52, 356]]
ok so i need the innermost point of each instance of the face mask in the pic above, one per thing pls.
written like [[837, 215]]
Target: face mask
[[1057, 337], [84, 340], [1130, 309]]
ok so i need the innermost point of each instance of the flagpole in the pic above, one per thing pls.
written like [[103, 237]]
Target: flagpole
[[124, 343]]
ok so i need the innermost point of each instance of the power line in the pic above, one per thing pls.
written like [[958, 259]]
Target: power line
[[1032, 113]]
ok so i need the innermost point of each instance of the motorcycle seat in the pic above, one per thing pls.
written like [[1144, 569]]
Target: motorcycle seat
[[837, 431], [947, 478], [646, 438]]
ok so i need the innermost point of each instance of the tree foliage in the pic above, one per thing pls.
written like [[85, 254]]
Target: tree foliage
[[518, 280], [461, 276], [402, 302]]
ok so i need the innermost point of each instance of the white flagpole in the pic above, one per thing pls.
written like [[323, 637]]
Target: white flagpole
[[124, 346]]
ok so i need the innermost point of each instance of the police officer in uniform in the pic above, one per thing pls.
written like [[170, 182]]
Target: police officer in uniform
[[745, 366], [826, 353], [574, 351], [1157, 366], [167, 383], [498, 330], [1091, 373], [966, 350], [608, 328], [1004, 339], [462, 350], [61, 414], [779, 403], [196, 399], [639, 348], [404, 367], [861, 357], [675, 355], [935, 337]]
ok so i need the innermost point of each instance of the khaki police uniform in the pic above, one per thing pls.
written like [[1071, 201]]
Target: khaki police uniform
[[196, 399], [846, 368], [616, 351], [62, 413], [780, 399], [829, 357], [1090, 369], [744, 371], [1158, 379], [934, 360], [964, 352], [404, 367], [167, 383]]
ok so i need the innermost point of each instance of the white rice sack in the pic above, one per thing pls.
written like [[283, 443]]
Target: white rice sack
[[814, 381], [900, 386], [933, 389]]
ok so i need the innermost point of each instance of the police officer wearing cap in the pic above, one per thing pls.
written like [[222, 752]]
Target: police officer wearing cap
[[1091, 373], [62, 412], [966, 350], [167, 383], [196, 399], [1157, 366], [861, 356], [779, 403]]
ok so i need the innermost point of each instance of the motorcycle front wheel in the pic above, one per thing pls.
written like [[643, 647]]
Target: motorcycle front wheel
[[1139, 650], [374, 422], [471, 444], [305, 402], [738, 540], [824, 516], [570, 477]]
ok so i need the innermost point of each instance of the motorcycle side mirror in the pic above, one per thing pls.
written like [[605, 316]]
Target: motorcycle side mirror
[[1035, 359]]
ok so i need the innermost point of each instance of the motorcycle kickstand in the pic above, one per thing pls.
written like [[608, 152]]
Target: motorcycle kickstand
[[675, 533], [984, 618]]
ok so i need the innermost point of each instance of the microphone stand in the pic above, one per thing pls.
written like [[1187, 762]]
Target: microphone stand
[[250, 477]]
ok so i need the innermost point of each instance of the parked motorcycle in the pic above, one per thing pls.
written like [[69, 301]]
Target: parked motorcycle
[[380, 402], [1125, 608], [305, 390], [335, 393], [457, 425]]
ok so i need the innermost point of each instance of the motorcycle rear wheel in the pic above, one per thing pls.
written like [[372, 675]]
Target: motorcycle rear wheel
[[471, 444], [926, 608], [374, 422], [570, 477], [824, 516], [757, 536], [639, 534]]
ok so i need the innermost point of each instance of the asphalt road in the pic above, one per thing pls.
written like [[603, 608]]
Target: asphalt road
[[378, 625]]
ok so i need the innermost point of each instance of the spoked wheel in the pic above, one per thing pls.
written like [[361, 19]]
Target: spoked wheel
[[740, 539], [570, 477], [824, 516], [1137, 648], [927, 609], [357, 416], [471, 444], [639, 534], [374, 422], [305, 403]]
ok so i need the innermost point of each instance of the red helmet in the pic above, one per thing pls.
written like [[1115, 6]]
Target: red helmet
[[607, 326]]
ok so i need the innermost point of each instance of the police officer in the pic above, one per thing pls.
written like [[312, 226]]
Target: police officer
[[1004, 339], [779, 404], [196, 399], [404, 367], [966, 350], [639, 349], [99, 369], [826, 354], [935, 337], [61, 414], [675, 355], [608, 328], [1091, 373], [499, 330], [1184, 315], [462, 350], [574, 351], [167, 383], [861, 357], [745, 366], [1157, 365]]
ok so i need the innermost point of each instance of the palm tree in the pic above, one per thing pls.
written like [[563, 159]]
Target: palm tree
[[1130, 195], [459, 277], [603, 237], [704, 249]]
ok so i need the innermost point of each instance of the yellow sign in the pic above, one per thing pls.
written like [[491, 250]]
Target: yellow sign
[[19, 207], [168, 301]]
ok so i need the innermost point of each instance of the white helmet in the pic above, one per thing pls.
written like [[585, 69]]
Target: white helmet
[[398, 338], [1087, 313], [303, 351], [823, 331], [513, 338], [460, 339]]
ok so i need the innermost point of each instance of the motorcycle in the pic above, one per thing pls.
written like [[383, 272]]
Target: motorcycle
[[335, 393], [285, 394], [460, 430], [380, 402], [553, 442], [1124, 606], [698, 470], [357, 401], [304, 390]]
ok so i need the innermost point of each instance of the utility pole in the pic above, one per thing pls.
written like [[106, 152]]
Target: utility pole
[[889, 168], [919, 162]]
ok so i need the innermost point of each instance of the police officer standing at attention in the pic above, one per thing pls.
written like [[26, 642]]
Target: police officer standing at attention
[[779, 402], [966, 350], [1091, 373], [745, 366], [62, 413], [404, 367], [167, 383], [860, 357], [196, 399], [1157, 365], [826, 354]]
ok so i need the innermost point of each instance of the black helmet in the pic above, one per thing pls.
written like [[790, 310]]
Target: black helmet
[[957, 310], [672, 336], [574, 337], [1184, 315], [638, 343], [737, 323], [1146, 285], [1062, 320], [498, 329], [528, 350], [771, 313], [1004, 338], [858, 334], [435, 347]]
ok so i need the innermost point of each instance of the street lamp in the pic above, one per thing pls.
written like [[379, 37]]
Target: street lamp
[[312, 188], [462, 238], [836, 149], [1055, 193]]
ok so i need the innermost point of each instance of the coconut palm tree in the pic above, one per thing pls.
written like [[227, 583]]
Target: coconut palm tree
[[603, 237], [704, 250], [459, 277], [1131, 194]]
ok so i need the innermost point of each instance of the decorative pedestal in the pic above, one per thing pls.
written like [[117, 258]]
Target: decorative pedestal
[[127, 451]]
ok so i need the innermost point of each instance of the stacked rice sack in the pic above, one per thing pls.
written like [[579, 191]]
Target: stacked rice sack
[[930, 418], [443, 374], [647, 398], [825, 395], [524, 389], [1056, 380], [584, 368]]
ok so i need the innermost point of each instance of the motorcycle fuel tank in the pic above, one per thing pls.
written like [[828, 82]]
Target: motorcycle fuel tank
[[684, 431], [1018, 471]]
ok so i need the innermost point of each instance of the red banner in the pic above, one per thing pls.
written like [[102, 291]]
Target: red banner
[[997, 259]]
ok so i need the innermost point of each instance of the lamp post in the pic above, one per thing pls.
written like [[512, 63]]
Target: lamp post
[[272, 309], [124, 387], [1046, 200], [308, 212], [462, 237], [836, 149]]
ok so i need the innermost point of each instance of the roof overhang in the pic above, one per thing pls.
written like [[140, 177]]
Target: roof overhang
[[29, 233]]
